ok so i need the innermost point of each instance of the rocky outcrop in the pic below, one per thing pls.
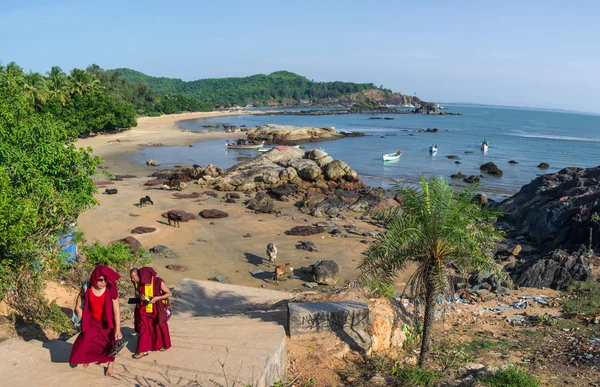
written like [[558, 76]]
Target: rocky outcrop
[[556, 210], [556, 213], [556, 270], [287, 134], [544, 166]]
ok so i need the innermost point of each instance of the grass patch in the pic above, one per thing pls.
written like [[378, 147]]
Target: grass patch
[[582, 297], [477, 347], [404, 375], [510, 377]]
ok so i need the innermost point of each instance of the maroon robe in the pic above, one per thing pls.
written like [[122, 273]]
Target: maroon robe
[[153, 329], [92, 344]]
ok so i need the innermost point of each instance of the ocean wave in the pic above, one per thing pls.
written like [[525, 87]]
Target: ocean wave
[[554, 137]]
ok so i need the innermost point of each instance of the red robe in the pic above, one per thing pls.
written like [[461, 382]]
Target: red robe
[[153, 329], [92, 344]]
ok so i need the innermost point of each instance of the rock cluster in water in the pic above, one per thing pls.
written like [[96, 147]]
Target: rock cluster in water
[[288, 134]]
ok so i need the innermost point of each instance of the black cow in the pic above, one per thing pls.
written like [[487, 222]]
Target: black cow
[[110, 191], [175, 218], [146, 200]]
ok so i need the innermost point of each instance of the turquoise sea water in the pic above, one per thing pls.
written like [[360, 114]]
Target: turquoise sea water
[[529, 136]]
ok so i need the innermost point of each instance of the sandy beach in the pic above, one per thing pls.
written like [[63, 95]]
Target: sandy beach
[[208, 248]]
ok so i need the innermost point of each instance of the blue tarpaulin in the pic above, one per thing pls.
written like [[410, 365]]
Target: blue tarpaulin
[[68, 247]]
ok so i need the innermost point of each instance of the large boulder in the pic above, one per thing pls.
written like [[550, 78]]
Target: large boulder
[[326, 272], [338, 169], [307, 169], [262, 203], [557, 270], [319, 157], [133, 243]]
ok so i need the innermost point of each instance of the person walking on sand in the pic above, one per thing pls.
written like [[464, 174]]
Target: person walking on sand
[[152, 312], [100, 320]]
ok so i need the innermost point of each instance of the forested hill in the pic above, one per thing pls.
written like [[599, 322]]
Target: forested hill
[[281, 87]]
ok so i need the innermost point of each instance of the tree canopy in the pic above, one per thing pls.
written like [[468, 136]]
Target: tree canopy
[[44, 179], [279, 86]]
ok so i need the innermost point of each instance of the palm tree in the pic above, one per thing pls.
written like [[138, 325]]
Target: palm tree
[[57, 84], [35, 87], [82, 82], [443, 231]]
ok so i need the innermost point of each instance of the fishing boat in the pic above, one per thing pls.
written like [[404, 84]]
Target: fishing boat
[[484, 145], [391, 156], [244, 144], [433, 149]]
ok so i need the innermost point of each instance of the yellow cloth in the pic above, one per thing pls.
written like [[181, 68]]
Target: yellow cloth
[[149, 293]]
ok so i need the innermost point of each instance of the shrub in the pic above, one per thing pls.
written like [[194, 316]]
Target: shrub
[[116, 255], [510, 377], [383, 289]]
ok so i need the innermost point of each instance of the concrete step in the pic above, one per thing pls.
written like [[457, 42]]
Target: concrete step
[[22, 364], [248, 336]]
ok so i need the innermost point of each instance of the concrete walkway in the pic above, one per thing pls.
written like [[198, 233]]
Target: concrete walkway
[[242, 326]]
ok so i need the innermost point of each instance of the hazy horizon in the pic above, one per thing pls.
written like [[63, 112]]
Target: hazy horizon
[[535, 55]]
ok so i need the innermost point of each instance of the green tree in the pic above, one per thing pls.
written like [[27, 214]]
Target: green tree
[[34, 85], [441, 230], [58, 85], [44, 185]]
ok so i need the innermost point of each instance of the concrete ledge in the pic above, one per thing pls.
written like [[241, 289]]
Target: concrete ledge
[[318, 317]]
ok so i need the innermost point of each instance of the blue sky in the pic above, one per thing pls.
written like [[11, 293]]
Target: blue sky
[[523, 53]]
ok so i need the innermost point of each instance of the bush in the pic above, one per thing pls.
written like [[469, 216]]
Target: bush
[[116, 255], [383, 289], [26, 298], [510, 377]]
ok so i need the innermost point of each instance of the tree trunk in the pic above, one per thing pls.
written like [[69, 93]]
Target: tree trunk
[[429, 319]]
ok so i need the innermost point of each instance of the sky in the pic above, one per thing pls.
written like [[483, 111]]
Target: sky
[[518, 53]]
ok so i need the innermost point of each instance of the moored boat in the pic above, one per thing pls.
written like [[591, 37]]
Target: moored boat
[[484, 145], [433, 148], [391, 156], [244, 144]]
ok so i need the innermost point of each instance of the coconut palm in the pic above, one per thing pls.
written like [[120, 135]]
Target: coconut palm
[[82, 82], [57, 85], [443, 232], [34, 85]]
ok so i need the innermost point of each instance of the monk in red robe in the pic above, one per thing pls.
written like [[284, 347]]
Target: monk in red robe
[[101, 320], [151, 314]]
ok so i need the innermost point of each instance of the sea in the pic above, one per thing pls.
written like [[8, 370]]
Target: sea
[[527, 136]]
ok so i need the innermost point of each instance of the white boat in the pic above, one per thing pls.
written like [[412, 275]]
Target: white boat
[[244, 145], [433, 148], [263, 150], [391, 156], [484, 145]]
